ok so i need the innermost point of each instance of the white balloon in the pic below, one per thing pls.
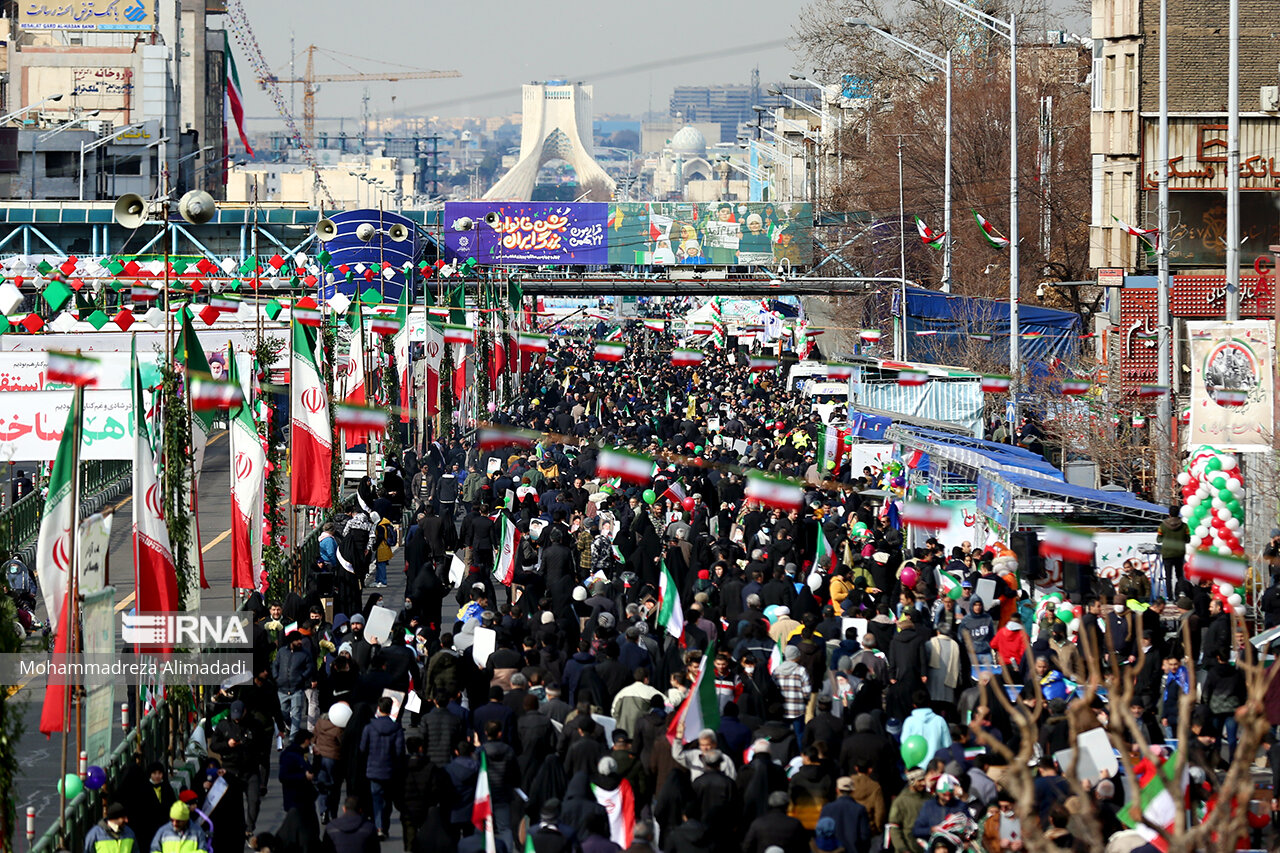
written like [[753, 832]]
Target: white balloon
[[1184, 478], [1194, 500], [1233, 524], [1235, 486], [1195, 539], [1217, 503], [1240, 610], [1234, 599], [1226, 588], [340, 714], [1185, 512], [1224, 550], [1202, 531], [1224, 513], [1074, 626], [1228, 462]]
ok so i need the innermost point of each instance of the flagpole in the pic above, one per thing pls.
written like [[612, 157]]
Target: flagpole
[[72, 616], [293, 507]]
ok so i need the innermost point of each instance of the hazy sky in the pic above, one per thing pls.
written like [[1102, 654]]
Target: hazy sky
[[632, 52]]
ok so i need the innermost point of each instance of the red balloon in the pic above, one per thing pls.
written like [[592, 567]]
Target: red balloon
[[687, 503]]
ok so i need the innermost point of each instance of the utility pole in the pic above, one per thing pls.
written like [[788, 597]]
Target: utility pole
[[1164, 354], [1233, 161]]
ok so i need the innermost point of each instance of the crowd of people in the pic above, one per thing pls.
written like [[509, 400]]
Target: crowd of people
[[584, 707]]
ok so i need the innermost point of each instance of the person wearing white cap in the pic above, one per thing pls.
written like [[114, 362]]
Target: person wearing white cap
[[945, 802]]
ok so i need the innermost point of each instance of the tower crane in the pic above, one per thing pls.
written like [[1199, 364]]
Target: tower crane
[[309, 80]]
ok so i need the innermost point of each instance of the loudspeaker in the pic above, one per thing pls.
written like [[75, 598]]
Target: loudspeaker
[[130, 210], [398, 233], [326, 230], [492, 219], [197, 207], [1026, 546], [365, 231]]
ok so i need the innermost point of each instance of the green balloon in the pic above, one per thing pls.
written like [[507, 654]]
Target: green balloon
[[914, 751], [1065, 615], [955, 593], [71, 786], [1214, 464], [1226, 496], [649, 496], [698, 449]]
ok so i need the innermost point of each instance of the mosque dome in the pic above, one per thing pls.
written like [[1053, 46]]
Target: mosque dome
[[689, 141]]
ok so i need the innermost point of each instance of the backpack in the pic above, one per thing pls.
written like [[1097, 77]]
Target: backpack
[[386, 540]]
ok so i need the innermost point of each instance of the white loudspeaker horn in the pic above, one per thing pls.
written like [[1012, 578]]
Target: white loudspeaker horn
[[492, 219], [326, 230], [197, 207], [130, 210], [398, 233], [365, 231]]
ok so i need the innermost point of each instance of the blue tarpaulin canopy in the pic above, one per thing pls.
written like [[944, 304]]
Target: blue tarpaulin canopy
[[1044, 333]]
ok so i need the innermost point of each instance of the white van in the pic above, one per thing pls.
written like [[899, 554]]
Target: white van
[[825, 398], [803, 372]]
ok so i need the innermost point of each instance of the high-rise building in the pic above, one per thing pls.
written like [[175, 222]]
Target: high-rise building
[[726, 105]]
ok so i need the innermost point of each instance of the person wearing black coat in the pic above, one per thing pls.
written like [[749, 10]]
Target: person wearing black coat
[[775, 828], [1217, 636], [691, 836], [718, 801], [759, 777], [425, 784], [440, 731]]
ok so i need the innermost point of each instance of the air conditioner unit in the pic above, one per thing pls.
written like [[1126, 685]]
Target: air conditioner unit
[[1269, 97]]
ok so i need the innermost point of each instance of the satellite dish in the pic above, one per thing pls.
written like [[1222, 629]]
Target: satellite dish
[[326, 230], [130, 210], [197, 207], [398, 233], [365, 232]]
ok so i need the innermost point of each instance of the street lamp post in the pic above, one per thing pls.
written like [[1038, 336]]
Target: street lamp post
[[943, 64], [835, 100], [85, 149], [1007, 30], [25, 110]]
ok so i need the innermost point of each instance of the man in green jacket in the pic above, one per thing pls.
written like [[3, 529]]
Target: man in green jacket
[[903, 813]]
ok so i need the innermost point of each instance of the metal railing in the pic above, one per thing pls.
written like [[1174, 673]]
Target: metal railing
[[149, 741], [102, 481]]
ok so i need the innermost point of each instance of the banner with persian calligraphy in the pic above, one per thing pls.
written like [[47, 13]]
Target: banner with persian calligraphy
[[118, 16], [525, 233], [32, 423], [1231, 385]]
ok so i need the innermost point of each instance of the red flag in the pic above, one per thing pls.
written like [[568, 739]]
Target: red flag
[[51, 719]]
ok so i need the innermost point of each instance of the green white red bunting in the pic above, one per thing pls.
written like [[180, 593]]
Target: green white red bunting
[[610, 351], [504, 556], [838, 371], [869, 336], [683, 357], [493, 438], [459, 334], [72, 369], [209, 394], [362, 418], [1217, 567], [670, 611], [630, 467], [1075, 387], [384, 324], [912, 378], [775, 492], [1152, 391], [926, 515], [1070, 544], [531, 342], [996, 384], [762, 363], [994, 237]]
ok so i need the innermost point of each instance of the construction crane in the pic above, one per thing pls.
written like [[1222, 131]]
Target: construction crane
[[310, 79]]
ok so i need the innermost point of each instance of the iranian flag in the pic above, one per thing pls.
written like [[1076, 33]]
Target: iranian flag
[[615, 334], [870, 336], [949, 585], [459, 335], [144, 292], [307, 312], [982, 336], [631, 467], [354, 391], [228, 304], [683, 357], [493, 438], [675, 490], [827, 448], [310, 434], [210, 395], [994, 237], [482, 807], [504, 557], [912, 378], [670, 611], [1155, 804], [996, 384], [761, 363], [72, 368], [926, 515], [531, 342], [248, 474], [1070, 544], [234, 99], [1230, 396], [655, 325], [610, 351], [433, 348], [838, 371], [54, 554], [933, 240], [155, 579], [1148, 235], [1217, 567], [619, 804], [384, 324], [824, 558], [1075, 387], [365, 420], [700, 708], [775, 492], [1151, 391]]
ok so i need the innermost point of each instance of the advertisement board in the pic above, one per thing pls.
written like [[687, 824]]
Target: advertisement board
[[32, 423], [526, 233], [629, 233], [1231, 385], [114, 16]]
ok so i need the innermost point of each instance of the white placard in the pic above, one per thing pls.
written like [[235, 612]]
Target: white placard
[[1096, 755], [94, 543], [397, 700], [740, 446], [852, 622], [32, 422], [378, 626], [486, 640], [413, 702], [216, 792], [457, 570], [608, 724], [985, 589]]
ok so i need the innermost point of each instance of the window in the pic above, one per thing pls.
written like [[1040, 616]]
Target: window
[[1130, 82], [61, 164], [1109, 83]]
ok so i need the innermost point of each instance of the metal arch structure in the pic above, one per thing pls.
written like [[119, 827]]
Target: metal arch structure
[[694, 284]]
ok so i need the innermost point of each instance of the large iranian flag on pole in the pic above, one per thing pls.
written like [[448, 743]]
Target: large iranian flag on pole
[[828, 449], [310, 433], [700, 708], [504, 557], [670, 612], [620, 805], [248, 474], [234, 97], [191, 355], [354, 392], [482, 806], [155, 578]]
